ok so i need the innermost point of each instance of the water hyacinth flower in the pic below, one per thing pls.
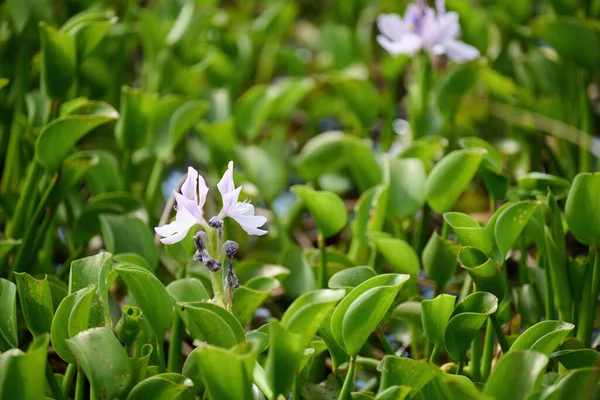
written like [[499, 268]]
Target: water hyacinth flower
[[191, 200], [423, 28]]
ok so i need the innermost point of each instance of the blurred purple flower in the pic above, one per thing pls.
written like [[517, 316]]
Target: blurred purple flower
[[435, 31]]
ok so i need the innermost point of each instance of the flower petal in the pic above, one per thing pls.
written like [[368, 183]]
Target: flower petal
[[176, 230], [391, 26], [188, 189], [226, 184], [229, 201], [460, 52], [190, 206], [409, 44], [202, 191], [243, 214]]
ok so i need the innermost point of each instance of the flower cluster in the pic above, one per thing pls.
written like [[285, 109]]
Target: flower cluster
[[192, 198], [423, 28]]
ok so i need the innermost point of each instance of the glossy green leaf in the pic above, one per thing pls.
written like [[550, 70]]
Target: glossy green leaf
[[318, 155], [337, 352], [511, 223], [577, 358], [459, 387], [22, 373], [327, 209], [492, 160], [217, 325], [58, 61], [89, 28], [180, 122], [361, 311], [439, 259], [301, 278], [8, 315], [167, 386], [409, 312], [226, 374], [181, 24], [103, 360], [483, 270], [6, 245], [360, 96], [449, 177], [249, 296], [151, 296], [581, 211], [128, 234], [36, 303], [400, 255], [286, 350], [305, 315], [435, 314], [267, 171], [522, 369], [72, 317], [400, 371], [466, 321], [407, 187], [543, 337], [425, 149], [577, 384], [351, 277], [93, 270], [133, 130], [56, 139], [468, 231], [541, 182]]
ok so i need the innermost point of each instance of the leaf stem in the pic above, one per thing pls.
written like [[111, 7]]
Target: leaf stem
[[67, 381], [54, 387], [461, 366], [587, 308], [385, 343], [323, 272], [476, 358], [488, 351], [348, 387], [160, 355], [435, 353], [174, 358], [499, 334], [79, 383]]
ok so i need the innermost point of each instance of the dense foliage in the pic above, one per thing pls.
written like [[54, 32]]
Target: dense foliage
[[416, 212]]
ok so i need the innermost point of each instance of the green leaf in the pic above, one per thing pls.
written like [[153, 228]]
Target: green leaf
[[58, 61], [286, 350], [400, 255], [227, 374], [22, 373], [468, 231], [181, 24], [128, 234], [6, 245], [151, 296], [484, 271], [133, 130], [103, 360], [320, 155], [351, 277], [492, 160], [541, 183], [89, 28], [425, 149], [439, 259], [459, 387], [401, 371], [56, 139], [360, 96], [581, 209], [8, 316], [167, 386], [306, 314], [72, 317], [361, 311], [93, 270], [466, 322], [522, 369], [449, 177], [453, 86], [217, 325], [407, 187], [409, 312], [578, 384], [249, 296], [337, 352], [267, 171], [301, 278], [511, 223], [36, 303], [577, 358], [180, 121], [435, 314], [543, 337], [327, 209]]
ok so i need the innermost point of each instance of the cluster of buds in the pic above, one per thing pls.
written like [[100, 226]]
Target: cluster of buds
[[202, 255]]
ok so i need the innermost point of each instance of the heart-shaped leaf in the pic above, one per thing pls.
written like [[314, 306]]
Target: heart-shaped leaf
[[327, 209], [468, 231], [439, 259], [351, 277], [466, 322], [435, 315], [522, 369], [511, 223], [543, 337], [93, 270], [217, 326], [103, 360], [483, 270]]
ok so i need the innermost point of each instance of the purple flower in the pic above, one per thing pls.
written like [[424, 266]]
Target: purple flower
[[435, 31]]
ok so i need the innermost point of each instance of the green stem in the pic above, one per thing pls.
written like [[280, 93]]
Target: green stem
[[466, 288], [67, 381], [550, 306], [476, 358], [295, 388], [367, 362], [323, 272], [387, 347], [34, 172], [348, 387], [420, 233], [160, 355], [79, 383], [435, 354], [523, 261], [127, 169], [499, 334], [587, 308], [461, 366], [445, 230], [439, 289], [54, 387], [488, 351], [260, 379], [174, 360], [153, 187]]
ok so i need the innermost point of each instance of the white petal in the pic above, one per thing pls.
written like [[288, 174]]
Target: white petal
[[449, 28], [202, 191], [243, 214], [226, 184], [188, 189], [391, 25], [460, 52], [229, 201], [410, 44], [176, 230], [190, 206]]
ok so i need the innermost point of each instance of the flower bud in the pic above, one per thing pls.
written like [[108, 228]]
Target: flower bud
[[216, 223], [230, 248]]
